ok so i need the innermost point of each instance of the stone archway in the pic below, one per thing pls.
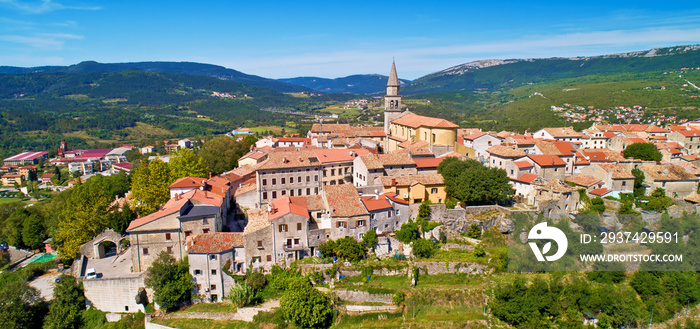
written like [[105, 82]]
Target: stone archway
[[108, 243]]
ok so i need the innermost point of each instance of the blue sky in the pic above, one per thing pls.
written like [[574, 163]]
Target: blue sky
[[279, 39]]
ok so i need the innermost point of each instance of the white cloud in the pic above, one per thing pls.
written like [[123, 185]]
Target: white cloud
[[45, 41]]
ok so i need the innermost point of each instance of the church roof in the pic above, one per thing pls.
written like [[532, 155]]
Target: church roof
[[393, 77]]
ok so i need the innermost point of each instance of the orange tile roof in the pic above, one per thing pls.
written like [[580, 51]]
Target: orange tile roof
[[371, 161], [415, 121], [505, 151], [310, 202], [344, 200], [214, 243], [395, 198], [338, 155], [562, 132], [289, 159], [199, 196], [188, 181], [283, 206], [376, 203], [431, 179], [427, 162], [617, 171], [475, 136], [168, 209], [395, 159], [526, 178], [257, 219], [218, 185], [600, 192], [690, 133], [583, 180], [523, 164], [544, 160], [245, 188]]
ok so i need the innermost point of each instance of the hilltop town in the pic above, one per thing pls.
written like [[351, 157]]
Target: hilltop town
[[288, 196]]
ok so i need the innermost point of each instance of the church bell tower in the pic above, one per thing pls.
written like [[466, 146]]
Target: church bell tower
[[392, 100]]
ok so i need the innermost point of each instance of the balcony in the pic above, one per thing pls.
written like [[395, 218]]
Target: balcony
[[293, 247]]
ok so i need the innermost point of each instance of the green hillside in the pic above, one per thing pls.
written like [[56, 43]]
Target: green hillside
[[522, 109], [37, 110]]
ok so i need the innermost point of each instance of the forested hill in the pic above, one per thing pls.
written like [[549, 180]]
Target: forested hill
[[95, 108], [190, 68], [354, 84], [494, 75]]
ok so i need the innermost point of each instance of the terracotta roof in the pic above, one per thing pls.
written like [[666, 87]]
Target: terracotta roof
[[283, 206], [344, 200], [558, 186], [310, 202], [169, 208], [690, 133], [583, 180], [47, 175], [505, 151], [242, 170], [338, 155], [475, 136], [523, 164], [689, 167], [290, 159], [655, 129], [376, 203], [245, 188], [694, 198], [218, 185], [214, 243], [432, 179], [667, 173], [395, 159], [415, 121], [556, 148], [452, 154], [544, 160], [617, 171], [427, 162], [255, 155], [395, 198], [600, 192], [609, 134], [562, 132], [371, 161], [189, 181], [257, 219], [11, 175], [526, 178], [33, 167], [198, 196]]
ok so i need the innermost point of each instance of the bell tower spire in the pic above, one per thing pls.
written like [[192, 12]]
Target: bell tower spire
[[392, 100]]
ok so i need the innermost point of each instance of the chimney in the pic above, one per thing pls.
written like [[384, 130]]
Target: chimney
[[210, 175], [393, 181]]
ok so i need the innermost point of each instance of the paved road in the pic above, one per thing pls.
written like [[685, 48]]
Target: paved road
[[45, 284]]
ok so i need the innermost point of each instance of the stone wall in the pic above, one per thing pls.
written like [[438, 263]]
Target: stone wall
[[116, 295], [460, 219], [363, 296], [151, 325], [431, 268]]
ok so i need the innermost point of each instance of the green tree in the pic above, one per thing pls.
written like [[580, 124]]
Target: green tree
[[306, 307], [185, 163], [348, 248], [642, 151], [21, 306], [68, 305], [638, 182], [424, 210], [83, 215], [222, 153], [33, 232], [474, 231], [170, 280], [369, 240], [424, 248], [408, 232], [150, 186], [471, 182]]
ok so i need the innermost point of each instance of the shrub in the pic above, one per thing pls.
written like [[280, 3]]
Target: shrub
[[317, 277], [474, 231], [399, 298], [479, 250], [241, 295], [256, 280], [424, 248]]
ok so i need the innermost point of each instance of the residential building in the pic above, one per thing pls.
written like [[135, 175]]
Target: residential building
[[210, 256], [504, 157], [615, 177], [292, 173], [677, 182], [549, 167], [12, 179], [567, 134], [348, 215], [480, 142], [416, 188], [690, 139]]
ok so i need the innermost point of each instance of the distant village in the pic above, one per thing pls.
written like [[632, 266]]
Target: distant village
[[290, 194]]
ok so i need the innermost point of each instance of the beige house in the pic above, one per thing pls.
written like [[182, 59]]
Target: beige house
[[337, 164], [549, 167], [615, 177], [416, 189], [504, 157], [677, 182], [348, 216], [690, 139], [288, 173]]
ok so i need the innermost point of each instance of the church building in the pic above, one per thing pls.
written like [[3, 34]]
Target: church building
[[405, 128]]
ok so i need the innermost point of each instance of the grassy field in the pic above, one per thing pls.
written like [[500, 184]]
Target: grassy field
[[10, 200], [211, 307], [274, 129]]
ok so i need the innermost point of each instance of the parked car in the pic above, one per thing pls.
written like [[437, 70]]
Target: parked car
[[90, 274]]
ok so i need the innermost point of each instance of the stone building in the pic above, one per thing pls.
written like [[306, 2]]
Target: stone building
[[209, 256], [416, 188], [348, 216], [292, 173]]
